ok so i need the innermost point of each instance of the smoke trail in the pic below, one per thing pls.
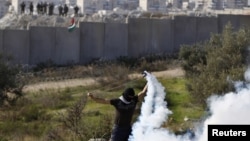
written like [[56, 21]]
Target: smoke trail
[[154, 112], [231, 108]]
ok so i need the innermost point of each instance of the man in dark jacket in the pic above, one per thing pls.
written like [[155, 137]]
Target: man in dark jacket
[[125, 106]]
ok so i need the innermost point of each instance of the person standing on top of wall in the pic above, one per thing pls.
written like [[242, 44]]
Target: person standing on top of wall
[[124, 106], [76, 9], [60, 10], [51, 8], [65, 9], [22, 7], [31, 8]]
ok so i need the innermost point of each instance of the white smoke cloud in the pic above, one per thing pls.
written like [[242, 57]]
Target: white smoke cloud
[[231, 108], [154, 112]]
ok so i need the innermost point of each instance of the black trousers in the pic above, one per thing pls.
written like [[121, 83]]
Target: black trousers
[[120, 133]]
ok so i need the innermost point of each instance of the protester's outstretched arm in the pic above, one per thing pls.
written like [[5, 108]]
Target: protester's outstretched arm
[[98, 100], [142, 93]]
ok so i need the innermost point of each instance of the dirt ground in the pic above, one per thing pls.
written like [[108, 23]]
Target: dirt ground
[[175, 72]]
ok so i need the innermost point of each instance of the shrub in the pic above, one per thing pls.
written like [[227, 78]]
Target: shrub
[[212, 66], [11, 81], [72, 121]]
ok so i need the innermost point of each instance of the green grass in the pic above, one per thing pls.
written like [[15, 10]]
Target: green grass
[[178, 99], [42, 108], [48, 112], [180, 103], [101, 108]]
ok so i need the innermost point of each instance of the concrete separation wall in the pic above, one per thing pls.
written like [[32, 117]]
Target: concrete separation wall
[[42, 44], [91, 41], [162, 36], [67, 49], [237, 21], [139, 37], [184, 31], [205, 26], [116, 40], [245, 21], [223, 20], [16, 44]]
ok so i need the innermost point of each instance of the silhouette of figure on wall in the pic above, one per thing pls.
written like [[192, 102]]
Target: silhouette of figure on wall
[[60, 10], [65, 9], [22, 7], [76, 9], [31, 8], [51, 8]]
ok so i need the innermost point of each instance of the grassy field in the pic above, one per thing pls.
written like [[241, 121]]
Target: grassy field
[[68, 114], [179, 101], [185, 111]]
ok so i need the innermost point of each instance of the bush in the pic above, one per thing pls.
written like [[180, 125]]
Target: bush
[[212, 66], [10, 81]]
